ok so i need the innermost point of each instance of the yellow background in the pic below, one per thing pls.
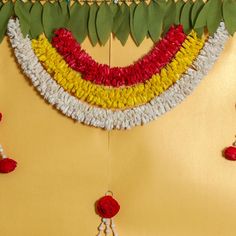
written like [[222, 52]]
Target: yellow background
[[169, 176]]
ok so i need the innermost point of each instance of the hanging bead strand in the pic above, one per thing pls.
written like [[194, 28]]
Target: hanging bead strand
[[101, 228], [113, 227]]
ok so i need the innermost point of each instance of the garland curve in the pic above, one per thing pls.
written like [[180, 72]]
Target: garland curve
[[107, 118]]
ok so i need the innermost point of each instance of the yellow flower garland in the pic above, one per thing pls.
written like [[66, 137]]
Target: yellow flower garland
[[116, 98]]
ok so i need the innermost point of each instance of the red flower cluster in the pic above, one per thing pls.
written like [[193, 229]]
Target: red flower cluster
[[7, 165], [142, 70], [107, 207]]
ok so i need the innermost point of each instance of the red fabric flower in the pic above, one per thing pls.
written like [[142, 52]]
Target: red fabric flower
[[0, 116], [230, 153], [140, 71], [107, 207], [7, 165]]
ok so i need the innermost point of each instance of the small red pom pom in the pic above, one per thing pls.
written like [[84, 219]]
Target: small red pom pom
[[230, 153], [107, 207], [7, 165]]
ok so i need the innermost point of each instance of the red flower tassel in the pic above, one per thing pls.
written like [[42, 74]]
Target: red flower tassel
[[230, 153], [107, 207], [7, 165]]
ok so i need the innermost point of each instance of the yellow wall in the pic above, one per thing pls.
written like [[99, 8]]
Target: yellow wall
[[169, 175]]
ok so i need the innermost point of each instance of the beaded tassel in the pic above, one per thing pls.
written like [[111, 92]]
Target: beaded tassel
[[101, 228], [107, 226], [2, 154], [113, 227]]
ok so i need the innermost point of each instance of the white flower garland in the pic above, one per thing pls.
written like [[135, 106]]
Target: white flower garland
[[104, 118]]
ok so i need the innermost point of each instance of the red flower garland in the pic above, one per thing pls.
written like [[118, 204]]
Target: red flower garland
[[142, 70], [107, 207]]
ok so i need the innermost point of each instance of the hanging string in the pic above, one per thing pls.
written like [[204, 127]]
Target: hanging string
[[109, 132]]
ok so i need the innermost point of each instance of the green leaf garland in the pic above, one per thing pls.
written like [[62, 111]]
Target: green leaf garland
[[97, 21]]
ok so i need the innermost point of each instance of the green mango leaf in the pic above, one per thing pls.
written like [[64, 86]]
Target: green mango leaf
[[51, 18], [170, 15], [36, 26], [114, 8], [92, 31], [28, 5], [201, 21], [59, 18], [78, 23], [65, 14], [197, 7], [140, 22], [7, 10], [104, 23], [185, 17], [22, 12], [131, 19], [229, 9], [123, 31], [118, 18], [179, 6], [214, 15], [156, 15]]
